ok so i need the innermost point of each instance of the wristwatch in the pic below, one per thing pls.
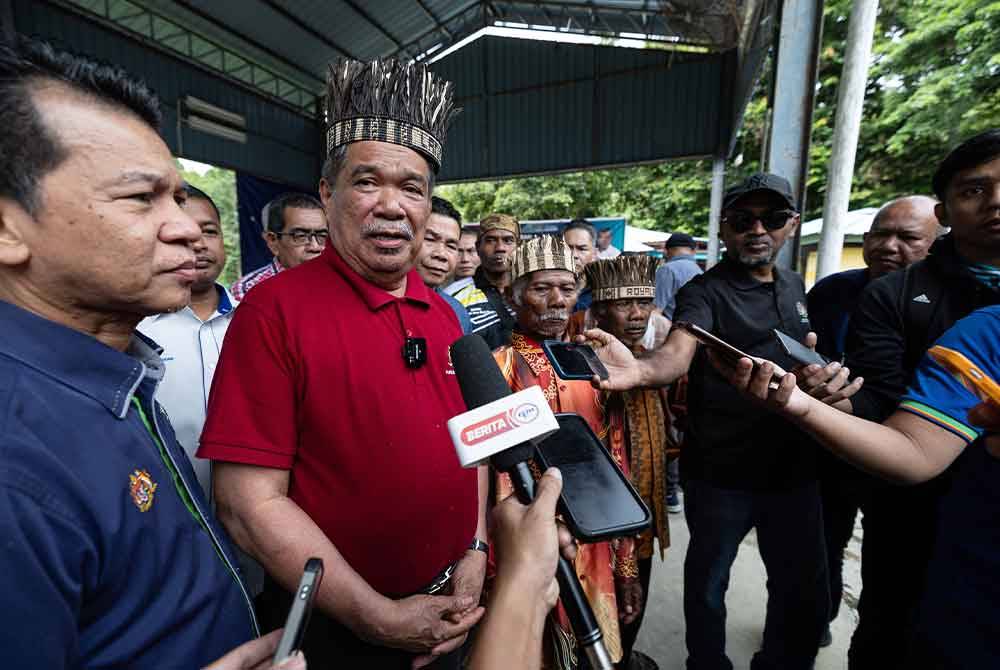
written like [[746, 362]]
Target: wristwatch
[[479, 545]]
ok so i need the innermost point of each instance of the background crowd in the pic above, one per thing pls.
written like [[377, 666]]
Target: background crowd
[[174, 449]]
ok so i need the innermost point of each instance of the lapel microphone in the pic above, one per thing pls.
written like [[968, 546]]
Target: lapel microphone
[[415, 352]]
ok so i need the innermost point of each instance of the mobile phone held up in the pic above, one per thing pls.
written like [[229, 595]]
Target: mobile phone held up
[[723, 349], [574, 361], [298, 613], [966, 372], [797, 351], [597, 502]]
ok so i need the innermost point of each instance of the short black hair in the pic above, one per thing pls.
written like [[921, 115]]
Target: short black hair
[[195, 192], [29, 150], [445, 208], [582, 224], [276, 208], [973, 152]]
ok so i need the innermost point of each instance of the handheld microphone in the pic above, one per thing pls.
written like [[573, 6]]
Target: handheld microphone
[[484, 388]]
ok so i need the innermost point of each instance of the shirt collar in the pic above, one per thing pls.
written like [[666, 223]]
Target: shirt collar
[[740, 278], [226, 300], [78, 360], [227, 303], [683, 257], [375, 296]]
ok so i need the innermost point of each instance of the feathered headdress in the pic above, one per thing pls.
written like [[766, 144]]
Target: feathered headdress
[[545, 252], [389, 101], [621, 278]]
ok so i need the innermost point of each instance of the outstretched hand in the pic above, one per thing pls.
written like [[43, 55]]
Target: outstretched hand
[[624, 371], [759, 382], [829, 384]]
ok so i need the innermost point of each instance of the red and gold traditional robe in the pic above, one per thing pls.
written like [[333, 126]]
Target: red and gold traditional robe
[[524, 364]]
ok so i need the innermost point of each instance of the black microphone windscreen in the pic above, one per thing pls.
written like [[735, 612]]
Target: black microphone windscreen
[[478, 375]]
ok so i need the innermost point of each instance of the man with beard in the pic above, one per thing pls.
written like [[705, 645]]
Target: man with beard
[[901, 234], [327, 415], [741, 468], [638, 420], [492, 318], [543, 291]]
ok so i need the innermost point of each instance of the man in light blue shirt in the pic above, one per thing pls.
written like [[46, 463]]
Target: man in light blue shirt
[[679, 269], [192, 337]]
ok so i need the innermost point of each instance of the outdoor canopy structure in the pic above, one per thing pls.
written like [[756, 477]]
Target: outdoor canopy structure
[[242, 80]]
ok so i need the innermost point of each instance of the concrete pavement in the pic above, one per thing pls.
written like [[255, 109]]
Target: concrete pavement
[[662, 633]]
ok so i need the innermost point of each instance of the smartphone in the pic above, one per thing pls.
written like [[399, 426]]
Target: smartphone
[[598, 502], [574, 361], [799, 352], [298, 613], [724, 349], [967, 373]]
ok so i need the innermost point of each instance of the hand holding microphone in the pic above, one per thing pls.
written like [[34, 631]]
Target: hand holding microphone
[[503, 426], [528, 542]]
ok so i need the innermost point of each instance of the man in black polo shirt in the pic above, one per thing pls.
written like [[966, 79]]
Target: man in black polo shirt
[[740, 468]]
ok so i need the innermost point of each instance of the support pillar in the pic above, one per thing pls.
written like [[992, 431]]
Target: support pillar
[[794, 94], [715, 209]]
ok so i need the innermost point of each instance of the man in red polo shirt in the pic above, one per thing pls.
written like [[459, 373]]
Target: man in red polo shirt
[[327, 414]]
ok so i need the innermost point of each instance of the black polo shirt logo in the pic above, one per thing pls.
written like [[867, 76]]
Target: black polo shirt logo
[[803, 312]]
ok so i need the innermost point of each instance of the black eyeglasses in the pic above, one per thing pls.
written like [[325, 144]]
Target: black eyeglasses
[[300, 238], [742, 220]]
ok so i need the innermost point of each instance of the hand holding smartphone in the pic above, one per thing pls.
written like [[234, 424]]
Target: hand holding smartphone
[[298, 613], [799, 352], [574, 361], [723, 349]]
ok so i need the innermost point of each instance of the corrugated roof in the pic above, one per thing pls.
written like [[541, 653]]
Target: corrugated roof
[[530, 106]]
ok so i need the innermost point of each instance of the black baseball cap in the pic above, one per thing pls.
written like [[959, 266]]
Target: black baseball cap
[[760, 181], [680, 240]]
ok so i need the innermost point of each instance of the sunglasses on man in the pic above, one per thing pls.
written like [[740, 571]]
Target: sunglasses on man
[[742, 220]]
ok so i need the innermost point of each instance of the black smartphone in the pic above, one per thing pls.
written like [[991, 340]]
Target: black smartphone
[[598, 502], [574, 361], [724, 349], [799, 352], [298, 613]]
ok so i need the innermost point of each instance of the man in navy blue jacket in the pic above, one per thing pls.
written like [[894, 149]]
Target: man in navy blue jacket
[[111, 556]]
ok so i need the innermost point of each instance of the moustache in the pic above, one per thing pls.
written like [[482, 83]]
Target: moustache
[[384, 227], [762, 239], [554, 315]]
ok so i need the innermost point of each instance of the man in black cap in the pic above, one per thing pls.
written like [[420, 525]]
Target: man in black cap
[[742, 469]]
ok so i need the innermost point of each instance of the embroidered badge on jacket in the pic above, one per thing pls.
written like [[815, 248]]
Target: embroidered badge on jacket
[[142, 487]]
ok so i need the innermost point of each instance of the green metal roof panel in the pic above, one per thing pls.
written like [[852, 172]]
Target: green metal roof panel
[[533, 107], [282, 145]]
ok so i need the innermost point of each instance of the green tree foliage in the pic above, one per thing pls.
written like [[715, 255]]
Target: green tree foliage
[[220, 185], [934, 80]]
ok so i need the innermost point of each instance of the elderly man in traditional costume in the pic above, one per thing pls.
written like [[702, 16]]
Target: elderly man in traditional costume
[[639, 420], [327, 417], [543, 290]]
